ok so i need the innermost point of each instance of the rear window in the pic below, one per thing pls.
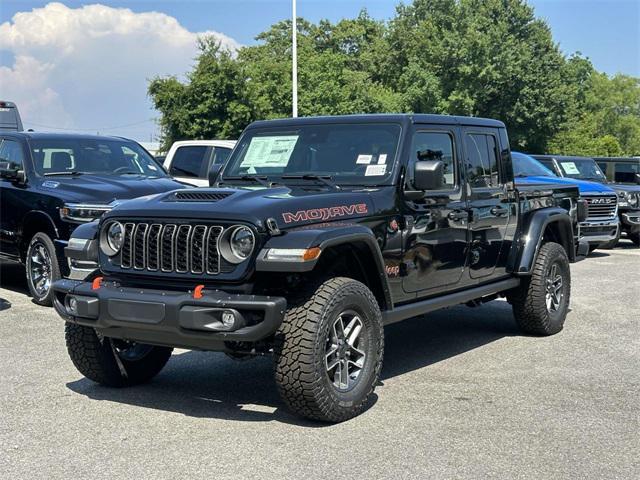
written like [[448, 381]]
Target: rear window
[[188, 161]]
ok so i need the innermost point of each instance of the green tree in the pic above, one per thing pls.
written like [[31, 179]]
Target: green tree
[[212, 104], [607, 122], [489, 58]]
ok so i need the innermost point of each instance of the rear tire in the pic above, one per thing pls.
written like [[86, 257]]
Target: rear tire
[[328, 352], [42, 268], [541, 303], [111, 362]]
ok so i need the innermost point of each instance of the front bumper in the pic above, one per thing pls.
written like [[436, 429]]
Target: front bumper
[[630, 221], [169, 318], [601, 231]]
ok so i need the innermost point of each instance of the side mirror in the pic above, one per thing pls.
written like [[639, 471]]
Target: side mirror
[[10, 171], [214, 172], [428, 175]]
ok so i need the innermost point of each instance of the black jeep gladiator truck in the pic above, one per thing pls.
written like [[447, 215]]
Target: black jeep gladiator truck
[[51, 183], [316, 234]]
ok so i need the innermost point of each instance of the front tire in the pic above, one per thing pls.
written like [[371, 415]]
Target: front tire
[[42, 268], [328, 352], [541, 303], [635, 238], [111, 362]]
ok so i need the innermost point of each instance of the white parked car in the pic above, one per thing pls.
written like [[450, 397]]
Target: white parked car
[[189, 161]]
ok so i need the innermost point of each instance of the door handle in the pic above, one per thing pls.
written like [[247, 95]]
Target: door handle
[[498, 211], [458, 215]]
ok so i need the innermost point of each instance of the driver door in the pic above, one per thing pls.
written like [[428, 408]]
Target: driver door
[[436, 226], [12, 199]]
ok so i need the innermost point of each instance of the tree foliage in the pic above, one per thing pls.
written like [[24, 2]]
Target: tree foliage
[[490, 58]]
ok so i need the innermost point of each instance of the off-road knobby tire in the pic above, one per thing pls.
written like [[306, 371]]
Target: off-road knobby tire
[[45, 240], [300, 370], [528, 300], [635, 238], [95, 359]]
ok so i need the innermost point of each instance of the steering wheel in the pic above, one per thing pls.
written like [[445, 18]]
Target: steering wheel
[[124, 169]]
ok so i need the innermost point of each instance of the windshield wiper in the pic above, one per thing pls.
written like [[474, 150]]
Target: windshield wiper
[[325, 179], [73, 173], [262, 180]]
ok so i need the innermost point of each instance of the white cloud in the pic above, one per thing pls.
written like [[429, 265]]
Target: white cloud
[[89, 67]]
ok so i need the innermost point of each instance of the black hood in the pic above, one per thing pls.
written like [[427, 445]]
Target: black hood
[[288, 206], [97, 189]]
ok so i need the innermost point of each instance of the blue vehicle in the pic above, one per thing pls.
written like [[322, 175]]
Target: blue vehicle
[[601, 228]]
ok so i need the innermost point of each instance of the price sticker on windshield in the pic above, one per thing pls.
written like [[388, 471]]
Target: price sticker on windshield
[[570, 168], [375, 170]]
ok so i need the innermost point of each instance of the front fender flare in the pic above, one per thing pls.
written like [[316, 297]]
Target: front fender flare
[[323, 237]]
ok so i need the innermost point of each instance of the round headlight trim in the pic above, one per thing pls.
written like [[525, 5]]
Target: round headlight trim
[[112, 238], [242, 242], [237, 243]]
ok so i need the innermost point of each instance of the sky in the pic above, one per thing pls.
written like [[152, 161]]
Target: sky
[[78, 65]]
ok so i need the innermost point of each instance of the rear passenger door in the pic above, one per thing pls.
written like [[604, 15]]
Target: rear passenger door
[[488, 200]]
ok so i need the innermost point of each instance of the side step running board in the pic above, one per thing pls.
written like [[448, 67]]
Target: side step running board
[[420, 308]]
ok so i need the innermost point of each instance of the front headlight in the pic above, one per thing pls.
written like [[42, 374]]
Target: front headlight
[[111, 238], [82, 213], [623, 199], [633, 199], [237, 244]]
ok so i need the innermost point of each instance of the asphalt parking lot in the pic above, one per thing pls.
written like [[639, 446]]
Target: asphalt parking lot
[[463, 395]]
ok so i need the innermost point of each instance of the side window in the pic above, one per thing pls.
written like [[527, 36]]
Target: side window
[[435, 146], [11, 151], [220, 155], [626, 172], [482, 160], [188, 161]]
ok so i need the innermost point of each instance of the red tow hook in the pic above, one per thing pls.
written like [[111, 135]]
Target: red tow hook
[[97, 283], [197, 292]]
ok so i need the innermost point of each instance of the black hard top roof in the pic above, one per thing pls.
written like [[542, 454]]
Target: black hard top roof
[[63, 136], [415, 118]]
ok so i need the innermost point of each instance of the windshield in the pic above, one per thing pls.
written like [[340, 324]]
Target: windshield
[[582, 168], [61, 156], [526, 166], [351, 154]]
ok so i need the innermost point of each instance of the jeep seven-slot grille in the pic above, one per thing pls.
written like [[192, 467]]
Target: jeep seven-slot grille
[[602, 206], [172, 248]]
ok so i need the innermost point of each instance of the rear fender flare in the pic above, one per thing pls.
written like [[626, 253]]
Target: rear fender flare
[[532, 233]]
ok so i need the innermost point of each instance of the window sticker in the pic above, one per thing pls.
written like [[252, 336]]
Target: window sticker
[[364, 159], [153, 167], [570, 168], [375, 170], [382, 159], [270, 151]]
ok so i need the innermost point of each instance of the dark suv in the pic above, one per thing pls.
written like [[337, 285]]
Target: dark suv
[[316, 234], [51, 183], [628, 192]]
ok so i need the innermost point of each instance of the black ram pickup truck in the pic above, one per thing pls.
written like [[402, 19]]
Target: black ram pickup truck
[[316, 234], [51, 183]]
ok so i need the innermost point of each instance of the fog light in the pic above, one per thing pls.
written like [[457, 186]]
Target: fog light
[[72, 305], [228, 319]]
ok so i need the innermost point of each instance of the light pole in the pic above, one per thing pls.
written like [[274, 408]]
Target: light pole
[[294, 53]]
